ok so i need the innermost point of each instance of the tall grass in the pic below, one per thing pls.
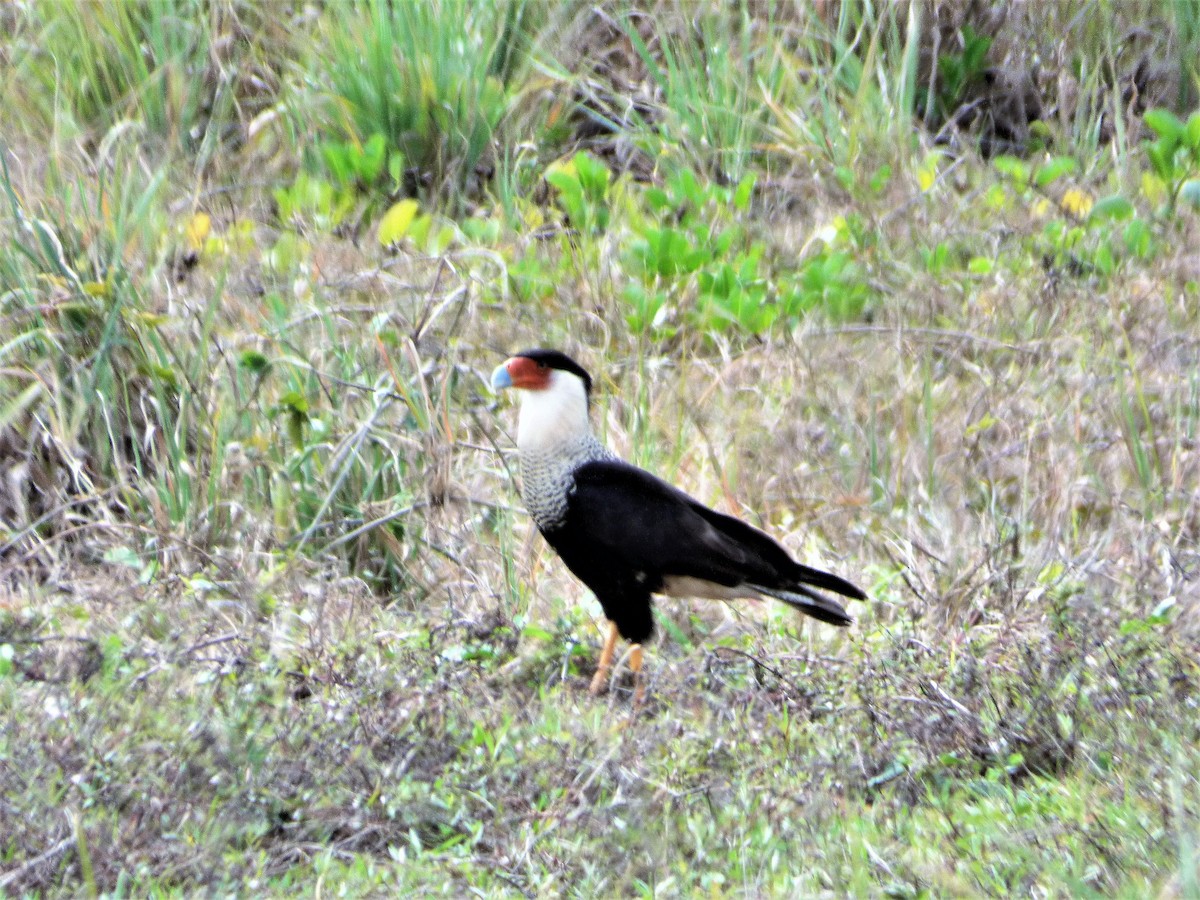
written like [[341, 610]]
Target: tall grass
[[266, 591], [711, 72], [435, 79]]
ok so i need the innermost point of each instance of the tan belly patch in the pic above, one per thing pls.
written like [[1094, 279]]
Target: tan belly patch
[[687, 586]]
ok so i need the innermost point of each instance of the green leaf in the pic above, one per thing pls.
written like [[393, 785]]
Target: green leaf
[[1165, 124], [657, 199], [337, 160], [1161, 161], [482, 231], [1012, 167], [442, 239], [880, 179], [396, 168], [295, 402], [254, 361], [370, 162], [982, 425], [570, 195], [743, 193], [1111, 208], [685, 187], [1191, 135], [420, 229], [593, 176], [1137, 238], [1053, 170]]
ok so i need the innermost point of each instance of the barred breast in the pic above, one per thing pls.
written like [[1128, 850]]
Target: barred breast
[[547, 477]]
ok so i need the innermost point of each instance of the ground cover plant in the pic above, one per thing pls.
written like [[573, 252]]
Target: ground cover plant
[[913, 286]]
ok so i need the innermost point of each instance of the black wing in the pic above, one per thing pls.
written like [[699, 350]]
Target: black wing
[[639, 523]]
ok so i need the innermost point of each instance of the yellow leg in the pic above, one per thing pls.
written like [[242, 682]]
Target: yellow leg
[[635, 665], [600, 679]]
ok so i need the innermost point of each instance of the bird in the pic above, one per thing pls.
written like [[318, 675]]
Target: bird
[[627, 534]]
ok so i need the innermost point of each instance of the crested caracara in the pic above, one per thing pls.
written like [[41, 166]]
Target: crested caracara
[[627, 534]]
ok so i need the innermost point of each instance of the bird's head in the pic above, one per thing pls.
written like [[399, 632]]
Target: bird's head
[[554, 396], [538, 370]]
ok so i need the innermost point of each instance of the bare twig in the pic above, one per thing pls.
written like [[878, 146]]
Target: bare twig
[[13, 876]]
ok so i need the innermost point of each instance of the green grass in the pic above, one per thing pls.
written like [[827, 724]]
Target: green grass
[[271, 618]]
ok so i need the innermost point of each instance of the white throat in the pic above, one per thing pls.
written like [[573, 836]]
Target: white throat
[[554, 417]]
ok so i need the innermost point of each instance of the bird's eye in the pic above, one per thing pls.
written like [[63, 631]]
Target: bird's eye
[[541, 365]]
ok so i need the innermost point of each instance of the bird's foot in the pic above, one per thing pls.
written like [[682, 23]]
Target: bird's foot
[[639, 680], [600, 680]]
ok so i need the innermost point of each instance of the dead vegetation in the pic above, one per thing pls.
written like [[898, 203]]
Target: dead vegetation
[[270, 616]]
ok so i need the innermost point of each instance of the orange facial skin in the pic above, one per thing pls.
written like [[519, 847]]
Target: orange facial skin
[[526, 374]]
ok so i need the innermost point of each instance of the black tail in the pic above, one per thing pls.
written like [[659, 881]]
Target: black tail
[[796, 593], [827, 582], [810, 603]]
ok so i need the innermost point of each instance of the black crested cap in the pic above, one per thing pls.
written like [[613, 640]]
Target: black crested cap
[[555, 359]]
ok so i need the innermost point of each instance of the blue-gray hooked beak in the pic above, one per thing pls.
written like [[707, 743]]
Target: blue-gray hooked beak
[[500, 377]]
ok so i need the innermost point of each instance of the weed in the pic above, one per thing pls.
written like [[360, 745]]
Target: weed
[[269, 617], [435, 80]]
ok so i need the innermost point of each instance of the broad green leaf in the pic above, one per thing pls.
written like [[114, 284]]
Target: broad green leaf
[[337, 160], [1192, 135], [1137, 238], [743, 193], [1113, 207], [570, 191], [1053, 170], [593, 175], [369, 163], [1012, 167], [656, 198], [1164, 123], [442, 239], [419, 232], [1161, 161], [481, 230]]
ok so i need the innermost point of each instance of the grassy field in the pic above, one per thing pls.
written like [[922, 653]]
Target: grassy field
[[915, 287]]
